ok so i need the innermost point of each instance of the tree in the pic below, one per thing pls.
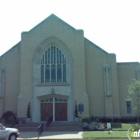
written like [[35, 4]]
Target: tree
[[28, 111], [134, 95], [76, 110]]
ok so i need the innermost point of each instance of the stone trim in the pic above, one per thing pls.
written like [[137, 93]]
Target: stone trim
[[53, 84]]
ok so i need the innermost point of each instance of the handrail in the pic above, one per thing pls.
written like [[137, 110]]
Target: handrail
[[48, 121], [40, 129]]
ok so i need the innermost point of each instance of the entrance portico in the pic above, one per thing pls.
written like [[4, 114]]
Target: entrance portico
[[53, 106], [52, 83]]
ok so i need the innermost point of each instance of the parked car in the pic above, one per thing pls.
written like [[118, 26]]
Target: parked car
[[8, 133]]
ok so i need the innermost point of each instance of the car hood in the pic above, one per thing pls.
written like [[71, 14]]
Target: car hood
[[11, 129]]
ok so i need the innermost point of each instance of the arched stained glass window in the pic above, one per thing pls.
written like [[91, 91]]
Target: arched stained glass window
[[59, 73], [64, 73], [42, 71], [47, 73], [53, 73], [53, 66]]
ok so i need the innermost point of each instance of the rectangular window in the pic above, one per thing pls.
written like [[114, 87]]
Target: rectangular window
[[81, 108], [128, 107]]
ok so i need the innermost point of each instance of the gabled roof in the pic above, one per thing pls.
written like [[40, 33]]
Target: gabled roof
[[69, 26], [51, 16], [16, 45], [96, 46], [127, 63], [63, 22], [54, 16]]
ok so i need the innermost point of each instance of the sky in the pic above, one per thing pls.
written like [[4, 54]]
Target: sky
[[113, 25]]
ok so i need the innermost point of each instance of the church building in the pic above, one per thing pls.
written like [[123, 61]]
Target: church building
[[54, 67]]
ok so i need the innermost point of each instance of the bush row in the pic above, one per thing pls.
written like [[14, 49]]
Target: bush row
[[105, 120]]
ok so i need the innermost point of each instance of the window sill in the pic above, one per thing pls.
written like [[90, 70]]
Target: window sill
[[53, 84], [108, 95]]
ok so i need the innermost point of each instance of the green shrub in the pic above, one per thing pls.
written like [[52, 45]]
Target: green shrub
[[9, 118], [86, 119], [136, 126], [76, 110], [116, 125], [28, 111]]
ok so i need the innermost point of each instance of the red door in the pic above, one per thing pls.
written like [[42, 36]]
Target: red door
[[46, 111], [60, 111]]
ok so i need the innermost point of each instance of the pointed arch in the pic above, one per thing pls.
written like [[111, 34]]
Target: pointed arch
[[53, 59]]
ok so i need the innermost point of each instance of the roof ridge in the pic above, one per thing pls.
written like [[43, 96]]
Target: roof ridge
[[50, 16]]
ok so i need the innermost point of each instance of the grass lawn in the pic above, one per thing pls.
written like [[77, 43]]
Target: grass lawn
[[119, 130], [121, 126], [105, 134]]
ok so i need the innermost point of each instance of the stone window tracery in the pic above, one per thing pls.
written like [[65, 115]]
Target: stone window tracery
[[53, 66]]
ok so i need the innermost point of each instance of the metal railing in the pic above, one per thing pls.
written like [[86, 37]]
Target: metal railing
[[40, 129], [48, 122]]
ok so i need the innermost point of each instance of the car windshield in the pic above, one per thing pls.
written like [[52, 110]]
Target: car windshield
[[1, 126]]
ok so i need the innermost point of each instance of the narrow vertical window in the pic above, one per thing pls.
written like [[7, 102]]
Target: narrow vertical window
[[49, 59], [59, 75], [128, 107], [53, 75], [46, 57], [62, 59], [42, 73], [43, 59], [107, 79], [52, 55], [47, 73], [64, 73], [58, 56]]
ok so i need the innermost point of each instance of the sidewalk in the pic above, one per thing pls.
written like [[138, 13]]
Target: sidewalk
[[51, 135]]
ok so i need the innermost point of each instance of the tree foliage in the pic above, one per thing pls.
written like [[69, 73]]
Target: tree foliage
[[76, 110], [8, 118], [134, 95], [28, 111]]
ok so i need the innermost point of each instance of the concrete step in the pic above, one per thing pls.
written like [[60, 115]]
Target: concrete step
[[28, 127], [55, 126], [64, 127]]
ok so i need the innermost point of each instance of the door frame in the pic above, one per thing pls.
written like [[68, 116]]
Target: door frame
[[53, 101], [61, 113]]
